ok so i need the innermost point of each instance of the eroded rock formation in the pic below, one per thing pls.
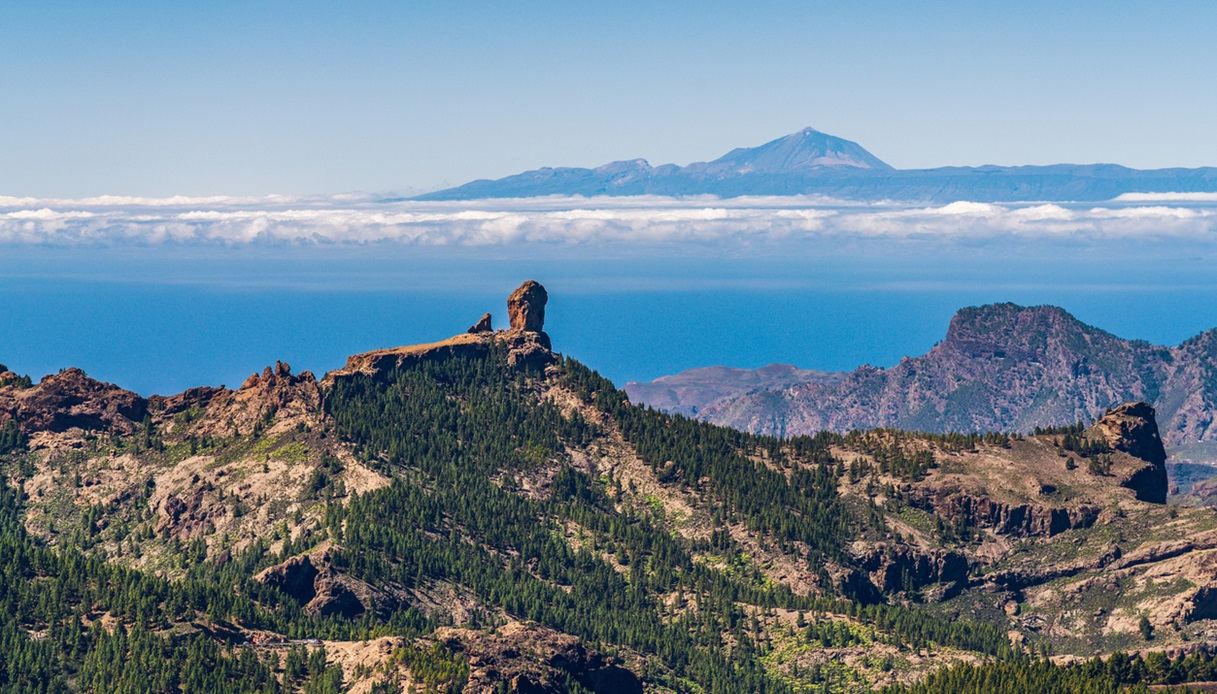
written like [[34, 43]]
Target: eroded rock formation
[[963, 509], [527, 344], [1133, 429], [313, 581], [532, 659], [274, 394], [526, 307], [897, 567], [482, 326]]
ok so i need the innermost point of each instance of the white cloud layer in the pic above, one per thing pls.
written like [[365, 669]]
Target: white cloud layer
[[361, 219], [1167, 197]]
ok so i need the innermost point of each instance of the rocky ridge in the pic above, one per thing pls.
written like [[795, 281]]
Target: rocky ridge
[[525, 341], [70, 399]]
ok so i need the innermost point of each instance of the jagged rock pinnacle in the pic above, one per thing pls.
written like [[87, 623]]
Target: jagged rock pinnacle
[[482, 326], [526, 307]]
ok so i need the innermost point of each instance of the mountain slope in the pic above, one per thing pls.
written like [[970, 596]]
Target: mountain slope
[[1001, 367], [812, 162], [483, 514]]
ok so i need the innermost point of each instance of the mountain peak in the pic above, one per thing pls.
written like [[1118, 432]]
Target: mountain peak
[[799, 152], [1028, 333], [1001, 323]]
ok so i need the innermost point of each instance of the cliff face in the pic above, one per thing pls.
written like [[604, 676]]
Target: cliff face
[[962, 508], [1001, 367]]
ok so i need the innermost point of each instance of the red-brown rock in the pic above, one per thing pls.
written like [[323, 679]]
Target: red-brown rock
[[526, 307], [482, 326], [70, 399]]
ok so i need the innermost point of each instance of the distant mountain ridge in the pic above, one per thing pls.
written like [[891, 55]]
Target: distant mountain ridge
[[813, 162], [1001, 367], [689, 391]]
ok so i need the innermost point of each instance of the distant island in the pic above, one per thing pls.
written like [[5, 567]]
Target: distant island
[[810, 162]]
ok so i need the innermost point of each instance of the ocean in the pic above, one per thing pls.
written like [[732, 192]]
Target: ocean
[[159, 320]]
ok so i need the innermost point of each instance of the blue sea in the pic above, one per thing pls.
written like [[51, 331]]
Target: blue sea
[[158, 320]]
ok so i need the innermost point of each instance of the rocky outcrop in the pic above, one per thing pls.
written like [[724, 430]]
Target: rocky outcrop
[[191, 513], [531, 659], [166, 407], [1133, 429], [898, 567], [960, 508], [1022, 578], [482, 326], [313, 581], [71, 399], [382, 361], [296, 576], [526, 343], [275, 394], [528, 350], [11, 379], [526, 307], [1202, 605]]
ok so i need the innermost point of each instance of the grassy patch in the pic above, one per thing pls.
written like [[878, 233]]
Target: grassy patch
[[803, 665]]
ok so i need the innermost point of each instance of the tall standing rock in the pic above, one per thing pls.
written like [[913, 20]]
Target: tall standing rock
[[1133, 429], [527, 344], [526, 307]]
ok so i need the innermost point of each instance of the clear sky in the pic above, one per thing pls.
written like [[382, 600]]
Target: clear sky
[[267, 97]]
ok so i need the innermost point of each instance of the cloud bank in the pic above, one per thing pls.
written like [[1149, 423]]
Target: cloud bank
[[363, 219]]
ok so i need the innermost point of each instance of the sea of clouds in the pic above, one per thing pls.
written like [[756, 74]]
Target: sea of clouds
[[368, 219]]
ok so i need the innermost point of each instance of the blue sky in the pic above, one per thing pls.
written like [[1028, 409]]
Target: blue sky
[[255, 98]]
